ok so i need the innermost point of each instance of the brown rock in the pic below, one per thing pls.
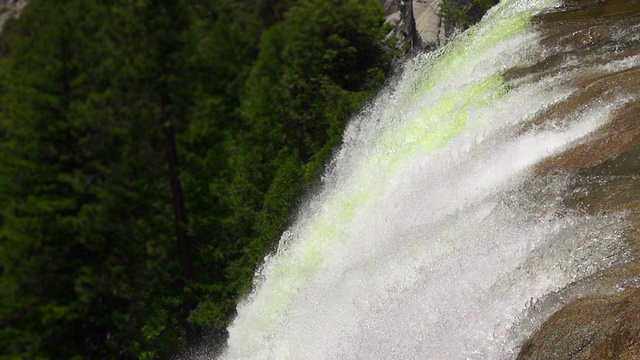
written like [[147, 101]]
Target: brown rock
[[604, 323], [597, 327]]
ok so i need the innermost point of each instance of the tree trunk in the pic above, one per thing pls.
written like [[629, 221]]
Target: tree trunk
[[179, 217]]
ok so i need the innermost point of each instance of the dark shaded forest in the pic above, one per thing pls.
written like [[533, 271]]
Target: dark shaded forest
[[151, 153]]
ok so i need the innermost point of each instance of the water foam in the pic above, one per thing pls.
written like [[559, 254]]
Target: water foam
[[429, 237]]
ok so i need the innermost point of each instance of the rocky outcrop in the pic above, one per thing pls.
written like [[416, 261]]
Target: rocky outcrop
[[10, 9], [429, 27], [416, 24]]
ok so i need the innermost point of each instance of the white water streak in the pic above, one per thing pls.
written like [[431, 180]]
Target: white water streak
[[429, 238]]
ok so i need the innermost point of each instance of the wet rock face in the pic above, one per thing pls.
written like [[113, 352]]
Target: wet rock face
[[605, 322], [598, 327]]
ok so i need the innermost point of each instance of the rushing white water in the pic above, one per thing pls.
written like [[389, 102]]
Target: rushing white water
[[430, 238]]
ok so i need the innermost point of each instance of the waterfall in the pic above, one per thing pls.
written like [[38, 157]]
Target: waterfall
[[437, 229]]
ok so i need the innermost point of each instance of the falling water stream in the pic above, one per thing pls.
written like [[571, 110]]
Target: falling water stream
[[435, 231]]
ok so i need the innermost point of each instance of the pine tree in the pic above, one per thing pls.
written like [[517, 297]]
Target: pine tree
[[87, 252]]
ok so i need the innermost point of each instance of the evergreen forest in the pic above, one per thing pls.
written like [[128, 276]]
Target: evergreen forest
[[152, 151]]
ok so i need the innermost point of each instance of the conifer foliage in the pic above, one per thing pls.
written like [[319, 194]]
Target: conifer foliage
[[151, 153]]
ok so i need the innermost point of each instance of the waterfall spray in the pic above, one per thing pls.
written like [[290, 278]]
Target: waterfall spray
[[431, 236]]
